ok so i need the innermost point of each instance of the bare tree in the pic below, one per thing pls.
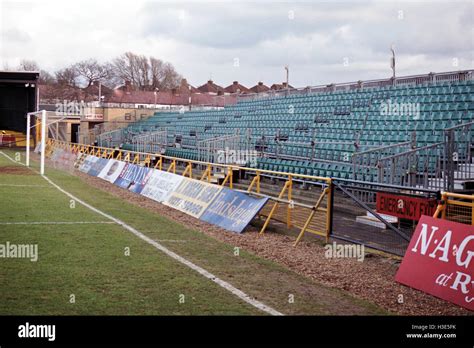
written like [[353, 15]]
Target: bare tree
[[145, 73], [91, 70], [46, 78], [171, 78], [156, 70], [67, 76], [28, 65]]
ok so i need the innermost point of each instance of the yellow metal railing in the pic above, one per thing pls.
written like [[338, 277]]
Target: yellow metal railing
[[284, 208], [456, 207]]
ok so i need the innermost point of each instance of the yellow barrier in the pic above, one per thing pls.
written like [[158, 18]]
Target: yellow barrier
[[284, 208], [456, 207]]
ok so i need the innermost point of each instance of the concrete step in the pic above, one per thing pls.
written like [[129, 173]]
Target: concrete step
[[364, 219], [388, 218], [464, 174], [439, 182], [466, 167], [371, 220]]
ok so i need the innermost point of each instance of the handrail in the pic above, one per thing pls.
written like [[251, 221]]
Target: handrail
[[326, 87], [456, 195], [426, 147], [381, 148], [177, 159], [459, 126]]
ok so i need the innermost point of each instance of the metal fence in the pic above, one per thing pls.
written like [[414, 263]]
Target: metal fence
[[111, 139], [456, 207], [229, 149], [151, 142], [440, 166], [423, 79], [357, 220]]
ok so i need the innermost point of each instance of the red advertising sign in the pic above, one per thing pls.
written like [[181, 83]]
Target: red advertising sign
[[405, 207], [440, 261]]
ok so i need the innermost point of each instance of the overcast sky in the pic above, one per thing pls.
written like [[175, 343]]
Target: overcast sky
[[248, 41]]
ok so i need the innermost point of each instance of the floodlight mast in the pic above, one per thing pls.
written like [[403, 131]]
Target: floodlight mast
[[43, 137]]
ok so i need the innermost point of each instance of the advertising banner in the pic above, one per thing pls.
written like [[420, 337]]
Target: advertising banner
[[65, 160], [79, 160], [440, 261], [87, 163], [112, 170], [405, 207], [133, 177], [56, 154], [233, 210], [160, 184], [192, 196], [92, 165]]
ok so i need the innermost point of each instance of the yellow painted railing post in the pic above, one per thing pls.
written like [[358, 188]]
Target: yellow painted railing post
[[254, 180], [159, 164], [439, 208], [472, 211], [127, 157], [147, 161], [289, 208], [172, 167], [329, 212], [206, 174], [231, 177], [227, 177], [444, 197], [258, 181], [311, 215], [189, 170], [280, 196]]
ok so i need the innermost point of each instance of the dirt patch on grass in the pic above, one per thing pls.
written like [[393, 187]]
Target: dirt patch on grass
[[15, 170], [371, 280]]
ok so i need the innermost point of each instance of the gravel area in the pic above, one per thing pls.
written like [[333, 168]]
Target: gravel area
[[372, 279]]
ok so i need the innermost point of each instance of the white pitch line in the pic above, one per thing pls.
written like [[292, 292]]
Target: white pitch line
[[56, 222], [229, 287]]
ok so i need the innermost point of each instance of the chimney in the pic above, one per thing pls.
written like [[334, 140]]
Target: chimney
[[236, 83], [128, 86], [260, 83]]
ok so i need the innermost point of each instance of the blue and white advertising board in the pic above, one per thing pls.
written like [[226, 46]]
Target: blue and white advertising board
[[192, 196], [160, 184], [112, 170], [133, 177], [233, 210]]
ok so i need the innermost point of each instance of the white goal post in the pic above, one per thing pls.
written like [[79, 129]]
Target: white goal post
[[43, 136], [48, 118]]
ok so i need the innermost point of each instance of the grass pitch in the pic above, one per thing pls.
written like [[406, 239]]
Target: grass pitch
[[107, 270]]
